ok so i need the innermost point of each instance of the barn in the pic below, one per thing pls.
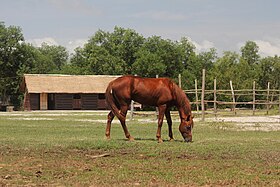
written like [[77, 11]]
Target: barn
[[64, 92]]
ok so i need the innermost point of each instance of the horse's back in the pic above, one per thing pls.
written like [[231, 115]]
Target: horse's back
[[148, 91]]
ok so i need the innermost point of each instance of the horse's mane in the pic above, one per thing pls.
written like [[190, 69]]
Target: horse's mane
[[182, 99]]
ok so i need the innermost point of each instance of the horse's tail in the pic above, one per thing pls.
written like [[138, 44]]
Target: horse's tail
[[112, 102]]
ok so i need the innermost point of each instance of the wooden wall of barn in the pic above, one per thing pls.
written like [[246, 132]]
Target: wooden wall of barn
[[34, 99], [65, 101]]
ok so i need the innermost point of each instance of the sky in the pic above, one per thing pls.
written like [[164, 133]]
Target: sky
[[223, 24]]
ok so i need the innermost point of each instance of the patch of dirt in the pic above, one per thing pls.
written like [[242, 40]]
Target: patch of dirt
[[259, 123]]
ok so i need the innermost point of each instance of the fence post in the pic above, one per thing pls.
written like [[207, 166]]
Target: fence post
[[233, 98], [180, 80], [157, 107], [202, 96], [279, 101], [267, 98], [196, 96], [215, 97], [131, 109], [254, 97]]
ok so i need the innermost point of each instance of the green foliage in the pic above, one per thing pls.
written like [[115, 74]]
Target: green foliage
[[124, 51], [56, 55], [17, 58], [10, 45], [108, 53], [269, 72], [249, 52], [148, 65]]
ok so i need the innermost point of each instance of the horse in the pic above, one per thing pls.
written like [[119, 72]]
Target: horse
[[160, 92]]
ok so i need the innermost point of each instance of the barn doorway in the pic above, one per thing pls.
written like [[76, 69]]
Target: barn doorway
[[51, 101], [77, 102]]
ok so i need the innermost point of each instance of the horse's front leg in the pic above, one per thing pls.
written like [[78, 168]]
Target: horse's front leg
[[169, 122], [109, 122], [161, 111]]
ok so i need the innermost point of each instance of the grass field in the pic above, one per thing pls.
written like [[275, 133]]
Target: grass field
[[69, 149]]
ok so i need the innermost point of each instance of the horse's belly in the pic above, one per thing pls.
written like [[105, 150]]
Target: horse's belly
[[146, 100], [152, 100]]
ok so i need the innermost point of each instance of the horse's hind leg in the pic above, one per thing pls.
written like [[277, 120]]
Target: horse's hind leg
[[109, 121], [169, 122], [124, 112], [161, 112]]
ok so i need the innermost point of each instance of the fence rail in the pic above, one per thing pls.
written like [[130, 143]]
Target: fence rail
[[253, 97], [230, 97]]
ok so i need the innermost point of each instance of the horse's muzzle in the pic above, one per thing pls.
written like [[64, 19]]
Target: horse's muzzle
[[188, 140]]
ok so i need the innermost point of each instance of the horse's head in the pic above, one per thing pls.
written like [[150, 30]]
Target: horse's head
[[186, 128]]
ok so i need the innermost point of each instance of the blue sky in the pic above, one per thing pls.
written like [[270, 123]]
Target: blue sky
[[223, 24]]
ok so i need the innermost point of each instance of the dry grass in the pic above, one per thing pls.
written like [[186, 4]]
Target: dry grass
[[67, 151]]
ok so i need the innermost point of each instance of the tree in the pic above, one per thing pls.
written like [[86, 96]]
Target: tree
[[249, 52], [225, 69], [11, 40], [109, 53], [148, 65], [269, 72], [160, 57], [58, 56]]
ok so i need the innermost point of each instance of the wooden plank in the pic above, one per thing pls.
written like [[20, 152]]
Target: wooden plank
[[233, 97], [254, 97], [43, 101], [215, 97], [202, 96], [180, 80], [267, 97], [26, 102], [63, 101], [89, 101], [196, 96], [34, 101], [279, 101]]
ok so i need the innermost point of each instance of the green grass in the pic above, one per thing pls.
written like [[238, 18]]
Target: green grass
[[42, 149]]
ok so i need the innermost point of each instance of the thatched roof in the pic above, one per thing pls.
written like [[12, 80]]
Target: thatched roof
[[50, 83]]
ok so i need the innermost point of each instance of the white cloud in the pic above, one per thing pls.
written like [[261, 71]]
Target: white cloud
[[37, 42], [269, 48], [73, 44], [70, 45], [204, 46]]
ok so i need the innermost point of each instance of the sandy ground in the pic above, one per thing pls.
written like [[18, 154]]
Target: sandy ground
[[261, 123]]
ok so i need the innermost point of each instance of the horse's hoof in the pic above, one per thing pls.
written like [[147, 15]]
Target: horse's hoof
[[160, 140], [130, 138], [108, 138], [171, 139]]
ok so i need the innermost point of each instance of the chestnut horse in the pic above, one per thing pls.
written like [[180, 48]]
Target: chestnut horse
[[160, 92]]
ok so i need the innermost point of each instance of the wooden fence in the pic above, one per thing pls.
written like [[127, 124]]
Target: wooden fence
[[250, 98], [209, 101]]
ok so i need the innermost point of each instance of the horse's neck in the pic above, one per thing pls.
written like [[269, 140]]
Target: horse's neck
[[182, 113]]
